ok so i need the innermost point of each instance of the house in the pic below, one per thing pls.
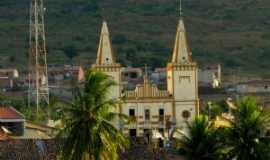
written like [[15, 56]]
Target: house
[[11, 121], [131, 74], [59, 73], [14, 126], [8, 77], [130, 77], [255, 86], [159, 77], [210, 75]]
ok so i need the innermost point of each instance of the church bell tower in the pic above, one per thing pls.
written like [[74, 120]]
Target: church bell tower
[[182, 79], [106, 63]]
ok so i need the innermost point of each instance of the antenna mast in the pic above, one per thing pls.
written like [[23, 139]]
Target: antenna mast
[[38, 74]]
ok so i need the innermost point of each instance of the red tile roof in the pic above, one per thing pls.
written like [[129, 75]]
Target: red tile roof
[[3, 136], [10, 113]]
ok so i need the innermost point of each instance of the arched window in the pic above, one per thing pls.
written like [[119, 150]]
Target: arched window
[[147, 114]]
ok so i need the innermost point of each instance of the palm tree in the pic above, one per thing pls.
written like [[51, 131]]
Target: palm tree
[[202, 141], [248, 129], [88, 130]]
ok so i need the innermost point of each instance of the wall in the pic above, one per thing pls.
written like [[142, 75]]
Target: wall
[[140, 107]]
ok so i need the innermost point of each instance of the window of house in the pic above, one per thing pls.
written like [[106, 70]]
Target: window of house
[[132, 112], [133, 75], [147, 114], [161, 114], [132, 133]]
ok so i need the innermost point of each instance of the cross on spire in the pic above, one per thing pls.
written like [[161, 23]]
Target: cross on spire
[[180, 9], [145, 69]]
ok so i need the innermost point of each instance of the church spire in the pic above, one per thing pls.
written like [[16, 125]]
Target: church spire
[[181, 52], [104, 55]]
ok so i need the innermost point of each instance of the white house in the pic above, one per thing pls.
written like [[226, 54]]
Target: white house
[[210, 75], [255, 86]]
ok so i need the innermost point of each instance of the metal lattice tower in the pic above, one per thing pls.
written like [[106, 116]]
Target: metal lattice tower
[[38, 74]]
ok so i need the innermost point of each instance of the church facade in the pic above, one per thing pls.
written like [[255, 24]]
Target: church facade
[[157, 112]]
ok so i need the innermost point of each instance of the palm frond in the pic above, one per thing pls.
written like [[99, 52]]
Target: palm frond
[[89, 132]]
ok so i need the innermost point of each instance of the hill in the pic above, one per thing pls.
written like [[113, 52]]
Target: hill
[[233, 32]]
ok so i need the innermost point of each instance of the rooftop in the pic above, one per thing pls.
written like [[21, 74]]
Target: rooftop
[[257, 82], [8, 70], [211, 66], [10, 113], [132, 69]]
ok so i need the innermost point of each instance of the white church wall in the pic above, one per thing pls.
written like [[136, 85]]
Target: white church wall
[[185, 85], [115, 91], [141, 121], [182, 107]]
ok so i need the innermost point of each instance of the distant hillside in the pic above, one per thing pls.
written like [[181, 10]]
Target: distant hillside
[[233, 32]]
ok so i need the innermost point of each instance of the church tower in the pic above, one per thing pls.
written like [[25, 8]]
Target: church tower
[[182, 79], [106, 63]]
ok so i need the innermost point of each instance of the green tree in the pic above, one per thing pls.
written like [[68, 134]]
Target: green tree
[[247, 135], [202, 141], [12, 60], [88, 129], [71, 52], [53, 108], [215, 109]]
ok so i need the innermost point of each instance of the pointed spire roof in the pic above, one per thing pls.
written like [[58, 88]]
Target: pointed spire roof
[[105, 54], [145, 77], [181, 52]]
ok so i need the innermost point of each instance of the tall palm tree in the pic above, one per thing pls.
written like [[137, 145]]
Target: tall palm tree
[[88, 123], [201, 142], [248, 129]]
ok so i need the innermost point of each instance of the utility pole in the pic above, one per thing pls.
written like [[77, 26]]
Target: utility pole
[[38, 75]]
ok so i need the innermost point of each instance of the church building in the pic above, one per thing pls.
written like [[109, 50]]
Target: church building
[[157, 112]]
